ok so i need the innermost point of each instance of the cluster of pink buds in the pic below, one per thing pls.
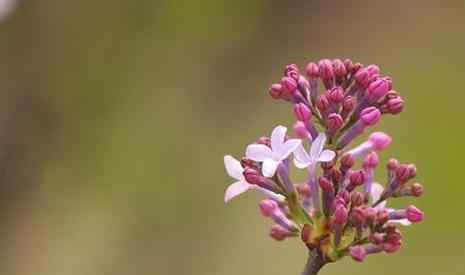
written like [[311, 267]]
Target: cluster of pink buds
[[339, 209]]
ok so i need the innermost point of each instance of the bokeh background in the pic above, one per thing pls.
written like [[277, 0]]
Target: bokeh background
[[115, 116]]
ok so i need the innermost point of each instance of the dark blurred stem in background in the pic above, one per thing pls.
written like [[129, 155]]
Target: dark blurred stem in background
[[314, 263]]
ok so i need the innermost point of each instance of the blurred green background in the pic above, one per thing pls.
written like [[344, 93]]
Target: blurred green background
[[115, 116]]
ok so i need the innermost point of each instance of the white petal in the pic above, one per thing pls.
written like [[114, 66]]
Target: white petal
[[286, 149], [376, 191], [326, 155], [271, 194], [233, 167], [301, 157], [258, 152], [317, 146], [269, 167], [277, 137], [235, 189], [403, 222]]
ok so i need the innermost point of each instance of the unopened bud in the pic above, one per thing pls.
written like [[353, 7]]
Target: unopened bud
[[300, 130], [379, 140], [326, 69], [417, 189], [414, 215], [370, 116], [267, 207], [339, 68], [334, 122], [302, 112], [312, 70]]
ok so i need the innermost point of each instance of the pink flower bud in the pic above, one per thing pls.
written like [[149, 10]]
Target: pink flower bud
[[356, 67], [252, 176], [379, 140], [392, 164], [395, 105], [370, 213], [322, 103], [303, 189], [291, 68], [417, 189], [312, 70], [276, 91], [371, 161], [362, 77], [391, 247], [289, 84], [412, 170], [325, 184], [373, 69], [382, 216], [267, 207], [414, 214], [300, 130], [325, 67], [348, 104], [378, 88], [339, 68], [334, 122], [356, 177], [357, 198], [303, 82], [302, 112], [347, 161], [402, 173], [279, 233], [358, 253], [336, 95], [265, 141], [341, 215], [370, 116], [349, 65]]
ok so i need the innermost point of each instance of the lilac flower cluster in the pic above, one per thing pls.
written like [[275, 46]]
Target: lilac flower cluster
[[339, 209]]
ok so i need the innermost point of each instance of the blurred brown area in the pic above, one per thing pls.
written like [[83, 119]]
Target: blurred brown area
[[115, 116]]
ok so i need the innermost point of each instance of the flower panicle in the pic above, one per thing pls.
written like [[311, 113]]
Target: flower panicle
[[339, 209]]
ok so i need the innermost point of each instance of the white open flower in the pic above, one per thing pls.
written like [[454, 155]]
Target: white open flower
[[271, 157], [236, 171], [376, 192], [317, 154]]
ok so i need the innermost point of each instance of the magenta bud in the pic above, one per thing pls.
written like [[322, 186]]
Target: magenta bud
[[291, 68], [303, 82], [336, 95], [279, 233], [356, 177], [358, 253], [362, 76], [341, 214], [395, 105], [402, 173], [417, 189], [373, 69], [303, 189], [267, 207], [322, 103], [276, 91], [391, 247], [378, 88], [377, 238], [414, 215], [348, 104], [345, 195], [412, 170], [326, 70], [379, 140], [265, 141], [349, 65], [392, 164], [356, 67], [289, 84], [370, 116], [382, 216], [334, 121], [370, 213], [302, 112], [325, 184], [252, 176], [300, 130], [339, 68], [347, 161], [312, 70], [357, 198], [371, 161]]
